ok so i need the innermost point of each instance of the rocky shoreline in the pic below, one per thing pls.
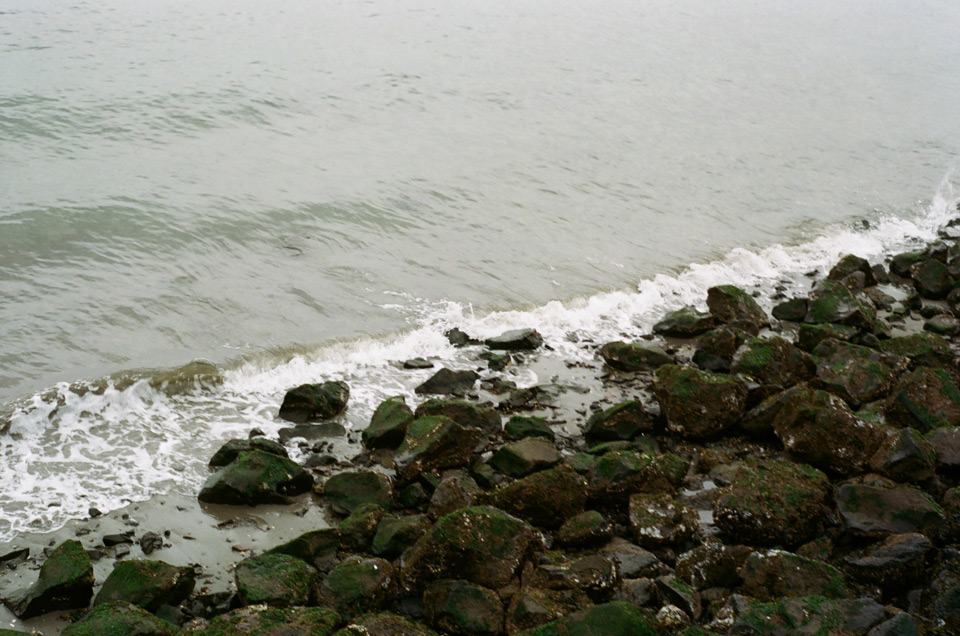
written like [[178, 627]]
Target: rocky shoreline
[[733, 472]]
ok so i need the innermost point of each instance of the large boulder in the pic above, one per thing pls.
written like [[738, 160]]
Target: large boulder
[[773, 574], [545, 499], [388, 424], [832, 302], [894, 563], [396, 533], [715, 349], [698, 404], [850, 265], [515, 340], [460, 607], [147, 584], [728, 303], [314, 402], [317, 548], [65, 583], [384, 624], [809, 336], [119, 618], [621, 421], [433, 443], [526, 456], [277, 579], [617, 475], [262, 620], [876, 507], [925, 399], [448, 382], [256, 477], [232, 448], [660, 521], [808, 615], [773, 362], [924, 349], [685, 323], [931, 278], [462, 412], [348, 490], [358, 585], [855, 373], [616, 618], [633, 356], [773, 502]]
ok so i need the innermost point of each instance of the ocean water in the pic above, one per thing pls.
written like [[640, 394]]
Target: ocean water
[[315, 190]]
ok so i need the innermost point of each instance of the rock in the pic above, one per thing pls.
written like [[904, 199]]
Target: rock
[[942, 325], [776, 574], [712, 564], [685, 323], [715, 349], [357, 530], [459, 607], [901, 263], [397, 533], [832, 302], [793, 310], [659, 521], [673, 591], [946, 609], [594, 575], [147, 584], [622, 421], [458, 338], [452, 493], [388, 424], [314, 402], [120, 619], [586, 529], [609, 619], [924, 349], [773, 362], [229, 451], [448, 382], [357, 586], [345, 491], [810, 336], [773, 502], [481, 544], [317, 548], [633, 356], [545, 499], [698, 404], [875, 507], [931, 279], [516, 340], [632, 560], [462, 412], [385, 624], [150, 541], [433, 443], [534, 397], [851, 264], [65, 583], [256, 477], [261, 620], [111, 540], [905, 456], [532, 607], [311, 432], [526, 456], [279, 580], [671, 619], [520, 426], [617, 475], [417, 364], [946, 446], [900, 625], [857, 374], [895, 563], [809, 615], [728, 303], [925, 399]]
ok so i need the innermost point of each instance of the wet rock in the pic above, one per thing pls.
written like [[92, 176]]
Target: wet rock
[[632, 560], [417, 364], [875, 507], [617, 475], [516, 340], [462, 412], [905, 456], [147, 584], [459, 607], [256, 477], [313, 402], [520, 426], [810, 336], [119, 618], [311, 432], [586, 529], [773, 362], [458, 338], [150, 541], [698, 404], [857, 374], [388, 424], [896, 562], [452, 493], [685, 323], [671, 619], [545, 499], [65, 582], [481, 544], [397, 533], [232, 448], [793, 310], [900, 625], [448, 382], [385, 624], [534, 397], [712, 564], [622, 421], [728, 303], [279, 580], [262, 620], [925, 399], [594, 575], [946, 446], [433, 443], [658, 521], [526, 456], [901, 263], [810, 615], [609, 619], [946, 609], [832, 302], [776, 574], [715, 349], [675, 592], [317, 548], [358, 585], [356, 531], [532, 607], [773, 502], [942, 325], [633, 356], [924, 349], [851, 264], [345, 491], [931, 278]]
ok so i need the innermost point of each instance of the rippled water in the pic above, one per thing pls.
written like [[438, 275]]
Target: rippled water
[[303, 188]]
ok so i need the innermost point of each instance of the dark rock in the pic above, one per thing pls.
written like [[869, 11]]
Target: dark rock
[[609, 619], [448, 382], [773, 362], [832, 302], [545, 499], [632, 560], [622, 421], [526, 456], [931, 279], [262, 620], [946, 609], [637, 592], [633, 356], [356, 531], [851, 264], [534, 397], [433, 443], [498, 361], [715, 349], [900, 625], [147, 584], [810, 336], [462, 412], [926, 399], [347, 490], [773, 502], [617, 475], [256, 477], [458, 338], [452, 493], [942, 325], [594, 575], [279, 580], [895, 563], [516, 340], [312, 402], [417, 363], [875, 507], [673, 591], [357, 586], [685, 323], [712, 564], [946, 445], [385, 624], [65, 582], [520, 426], [698, 404], [905, 456], [857, 374], [586, 529], [532, 607], [793, 310], [482, 545], [111, 540], [776, 574], [150, 541], [311, 432], [229, 451], [659, 521], [317, 548], [119, 618], [397, 533], [811, 615], [901, 263], [15, 558], [924, 349], [728, 303], [388, 424], [459, 607]]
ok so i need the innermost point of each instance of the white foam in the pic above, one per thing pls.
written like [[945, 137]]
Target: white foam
[[66, 451]]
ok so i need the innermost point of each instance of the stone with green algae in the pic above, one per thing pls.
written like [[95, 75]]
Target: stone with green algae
[[435, 442], [65, 582], [359, 585], [616, 618], [263, 620], [388, 424], [256, 477], [348, 490], [546, 498], [277, 579], [147, 584], [119, 618], [384, 624], [698, 404]]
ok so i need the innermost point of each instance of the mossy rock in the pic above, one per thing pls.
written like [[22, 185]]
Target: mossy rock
[[348, 490], [317, 548], [901, 263], [698, 404], [619, 422], [357, 530], [546, 498], [482, 544], [925, 399], [524, 457], [532, 607], [277, 579], [659, 521], [388, 425], [589, 528], [147, 584], [460, 607], [462, 412], [358, 585], [729, 303], [617, 475], [520, 426], [314, 402], [931, 278], [832, 302], [452, 493], [65, 582], [905, 456], [609, 619], [877, 507], [434, 443], [384, 624], [685, 323], [397, 533], [119, 618], [814, 615], [712, 564], [894, 564], [262, 620], [232, 448], [855, 373], [773, 362], [633, 356], [715, 349], [773, 502], [925, 349], [776, 574], [256, 477], [448, 382], [793, 310], [810, 336], [851, 264]]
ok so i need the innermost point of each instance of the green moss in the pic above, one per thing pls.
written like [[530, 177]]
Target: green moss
[[756, 357]]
